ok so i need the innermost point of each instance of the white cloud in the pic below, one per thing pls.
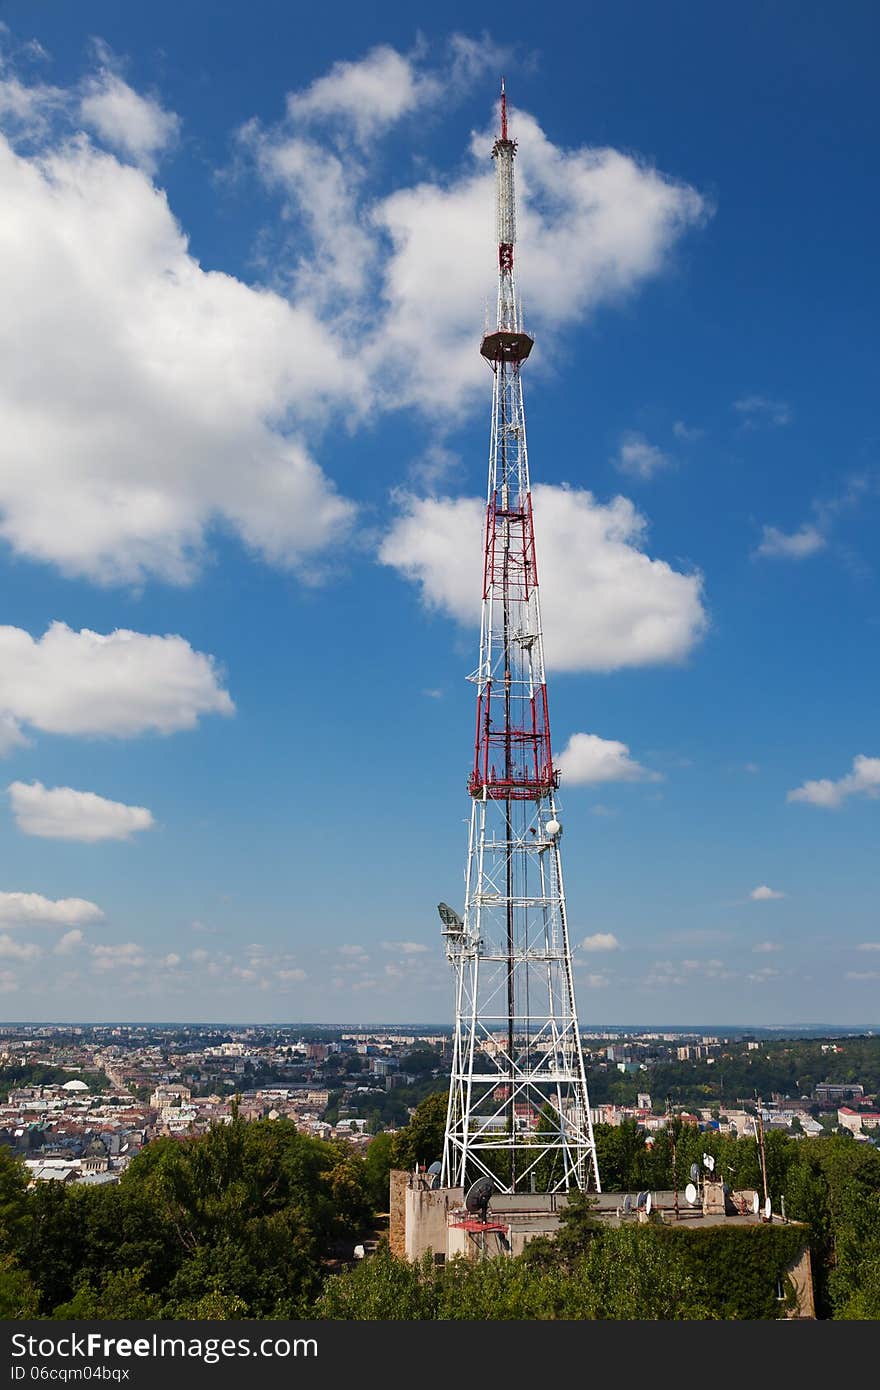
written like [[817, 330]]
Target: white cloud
[[171, 960], [168, 399], [135, 125], [11, 735], [291, 976], [128, 954], [33, 910], [10, 949], [760, 410], [171, 402], [600, 941], [869, 946], [606, 604], [119, 685], [8, 982], [863, 975], [762, 977], [764, 948], [593, 225], [353, 951], [594, 981], [795, 546], [60, 813], [763, 894], [639, 459], [69, 942], [863, 780], [588, 759], [406, 948], [687, 432], [367, 95]]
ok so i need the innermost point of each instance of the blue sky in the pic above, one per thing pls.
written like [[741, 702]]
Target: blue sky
[[244, 260]]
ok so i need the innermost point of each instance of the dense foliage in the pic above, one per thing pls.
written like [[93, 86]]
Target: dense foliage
[[256, 1220]]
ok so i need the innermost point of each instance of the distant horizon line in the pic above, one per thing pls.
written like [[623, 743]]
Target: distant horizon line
[[412, 1024]]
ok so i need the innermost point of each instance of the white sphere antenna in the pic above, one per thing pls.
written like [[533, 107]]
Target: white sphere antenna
[[553, 828]]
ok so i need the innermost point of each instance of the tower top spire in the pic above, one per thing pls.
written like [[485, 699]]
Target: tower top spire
[[503, 111]]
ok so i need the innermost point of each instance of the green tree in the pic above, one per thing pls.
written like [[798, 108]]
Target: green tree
[[421, 1141]]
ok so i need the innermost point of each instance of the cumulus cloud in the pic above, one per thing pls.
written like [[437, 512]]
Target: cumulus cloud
[[869, 946], [165, 396], [69, 942], [794, 546], [863, 780], [639, 459], [368, 95], [172, 402], [600, 941], [33, 910], [119, 684], [10, 949], [135, 125], [588, 759], [606, 604], [765, 948], [60, 813], [763, 894], [863, 974], [593, 225], [406, 948], [127, 954]]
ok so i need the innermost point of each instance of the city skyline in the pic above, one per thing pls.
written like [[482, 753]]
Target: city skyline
[[240, 505]]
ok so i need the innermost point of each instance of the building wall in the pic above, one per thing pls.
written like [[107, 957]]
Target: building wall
[[426, 1218], [399, 1179]]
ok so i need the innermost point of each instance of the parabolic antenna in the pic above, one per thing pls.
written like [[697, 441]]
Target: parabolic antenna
[[649, 1202], [452, 923], [709, 1162], [627, 1204], [756, 1204], [690, 1195], [695, 1172], [436, 1167], [479, 1195], [641, 1200], [768, 1209]]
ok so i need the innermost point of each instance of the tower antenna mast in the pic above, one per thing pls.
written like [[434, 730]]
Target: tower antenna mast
[[518, 1108]]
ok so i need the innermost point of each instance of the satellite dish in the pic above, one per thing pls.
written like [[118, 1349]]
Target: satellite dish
[[641, 1200], [479, 1195], [756, 1204], [690, 1195], [452, 923], [648, 1203], [627, 1204], [768, 1209], [709, 1163], [436, 1167], [695, 1172], [553, 828]]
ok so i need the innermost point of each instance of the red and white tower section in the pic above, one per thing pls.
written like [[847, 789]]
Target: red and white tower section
[[518, 1105]]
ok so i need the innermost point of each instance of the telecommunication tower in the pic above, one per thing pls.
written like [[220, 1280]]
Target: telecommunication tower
[[518, 1105]]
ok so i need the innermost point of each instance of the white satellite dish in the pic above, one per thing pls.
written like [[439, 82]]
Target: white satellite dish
[[768, 1209], [553, 828], [627, 1204], [690, 1195], [648, 1205], [709, 1163], [756, 1204]]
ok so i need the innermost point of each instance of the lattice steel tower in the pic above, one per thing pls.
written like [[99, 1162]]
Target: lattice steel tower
[[517, 1052]]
